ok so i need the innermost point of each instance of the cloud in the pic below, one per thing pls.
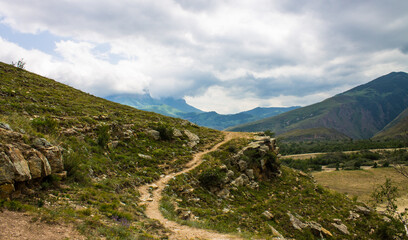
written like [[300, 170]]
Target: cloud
[[246, 53]]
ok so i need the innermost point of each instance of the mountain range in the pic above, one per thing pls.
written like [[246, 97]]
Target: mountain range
[[179, 108], [377, 107]]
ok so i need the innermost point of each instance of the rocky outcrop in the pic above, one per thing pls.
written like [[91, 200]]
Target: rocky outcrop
[[24, 158], [193, 139]]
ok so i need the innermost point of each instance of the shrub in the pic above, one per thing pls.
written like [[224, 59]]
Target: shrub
[[166, 131], [211, 178], [45, 125], [103, 135]]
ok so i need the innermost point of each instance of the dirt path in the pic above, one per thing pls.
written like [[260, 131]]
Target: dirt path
[[19, 226], [313, 155], [153, 200]]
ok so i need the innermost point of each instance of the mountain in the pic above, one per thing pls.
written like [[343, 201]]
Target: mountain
[[313, 134], [166, 106], [223, 121], [396, 129], [358, 113], [179, 108]]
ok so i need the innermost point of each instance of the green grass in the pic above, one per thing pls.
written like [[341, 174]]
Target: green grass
[[103, 142], [290, 192]]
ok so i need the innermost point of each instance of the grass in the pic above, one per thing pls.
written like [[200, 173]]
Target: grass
[[361, 183], [104, 144], [243, 213]]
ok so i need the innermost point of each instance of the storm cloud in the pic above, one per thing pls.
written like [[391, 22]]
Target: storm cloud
[[225, 56]]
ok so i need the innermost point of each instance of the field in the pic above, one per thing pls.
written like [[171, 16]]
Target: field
[[361, 183]]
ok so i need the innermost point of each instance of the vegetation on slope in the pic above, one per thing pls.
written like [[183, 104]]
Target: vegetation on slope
[[109, 150], [270, 209]]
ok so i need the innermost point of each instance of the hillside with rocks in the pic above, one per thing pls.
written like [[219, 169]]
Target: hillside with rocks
[[70, 159]]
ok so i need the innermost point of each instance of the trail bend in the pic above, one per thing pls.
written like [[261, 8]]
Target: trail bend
[[152, 200]]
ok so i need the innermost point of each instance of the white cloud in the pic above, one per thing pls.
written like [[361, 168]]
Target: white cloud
[[241, 53]]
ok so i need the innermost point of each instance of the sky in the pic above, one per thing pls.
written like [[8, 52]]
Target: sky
[[219, 55]]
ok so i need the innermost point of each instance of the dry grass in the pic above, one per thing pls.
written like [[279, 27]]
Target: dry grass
[[361, 183]]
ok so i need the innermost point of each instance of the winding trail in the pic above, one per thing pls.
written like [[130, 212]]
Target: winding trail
[[152, 200]]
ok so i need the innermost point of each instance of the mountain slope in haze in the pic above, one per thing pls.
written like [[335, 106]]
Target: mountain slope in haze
[[397, 129], [166, 106], [358, 113], [223, 121], [179, 108]]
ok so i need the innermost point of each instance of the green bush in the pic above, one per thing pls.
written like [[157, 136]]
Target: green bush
[[166, 131], [103, 135], [211, 178], [45, 125]]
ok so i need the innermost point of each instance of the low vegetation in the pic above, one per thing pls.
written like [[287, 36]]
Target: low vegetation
[[268, 210]]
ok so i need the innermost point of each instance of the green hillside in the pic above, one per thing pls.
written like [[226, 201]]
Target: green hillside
[[397, 129], [313, 134], [108, 150], [358, 113]]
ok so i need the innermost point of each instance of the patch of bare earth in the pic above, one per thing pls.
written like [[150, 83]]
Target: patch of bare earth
[[20, 226], [152, 200]]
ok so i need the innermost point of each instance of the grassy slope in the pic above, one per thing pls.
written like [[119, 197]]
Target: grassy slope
[[313, 134], [290, 192], [359, 113], [397, 129], [99, 194]]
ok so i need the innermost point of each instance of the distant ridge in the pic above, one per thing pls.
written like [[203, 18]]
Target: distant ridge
[[358, 113]]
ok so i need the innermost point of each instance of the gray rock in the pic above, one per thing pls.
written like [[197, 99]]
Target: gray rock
[[21, 169], [242, 165], [5, 126], [191, 136], [41, 143], [154, 134], [250, 173], [6, 169], [54, 157], [254, 185], [230, 174], [224, 193], [296, 223], [238, 182], [275, 234], [38, 164], [177, 133], [245, 179], [341, 227], [144, 156], [363, 210], [268, 215]]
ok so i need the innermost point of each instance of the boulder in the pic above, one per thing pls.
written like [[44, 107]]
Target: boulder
[[41, 143], [250, 173], [224, 193], [268, 215], [21, 169], [363, 210], [5, 126], [6, 169], [154, 134], [275, 234], [296, 223], [341, 227], [238, 182], [177, 133], [38, 164], [230, 174], [191, 136], [54, 156], [242, 165], [144, 156]]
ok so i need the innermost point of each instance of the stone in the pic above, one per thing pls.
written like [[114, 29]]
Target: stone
[[41, 143], [296, 223], [326, 232], [230, 174], [254, 185], [353, 216], [61, 175], [224, 193], [154, 134], [341, 227], [192, 144], [268, 215], [224, 168], [5, 126], [144, 156], [38, 163], [275, 234], [242, 165], [54, 157], [250, 173], [238, 182], [245, 179], [6, 190], [191, 136], [363, 210], [6, 169], [21, 169], [153, 186], [177, 133], [315, 228]]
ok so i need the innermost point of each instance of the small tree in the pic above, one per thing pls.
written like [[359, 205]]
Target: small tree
[[387, 194], [20, 64]]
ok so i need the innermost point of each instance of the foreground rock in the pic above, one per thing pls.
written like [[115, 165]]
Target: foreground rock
[[24, 159]]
